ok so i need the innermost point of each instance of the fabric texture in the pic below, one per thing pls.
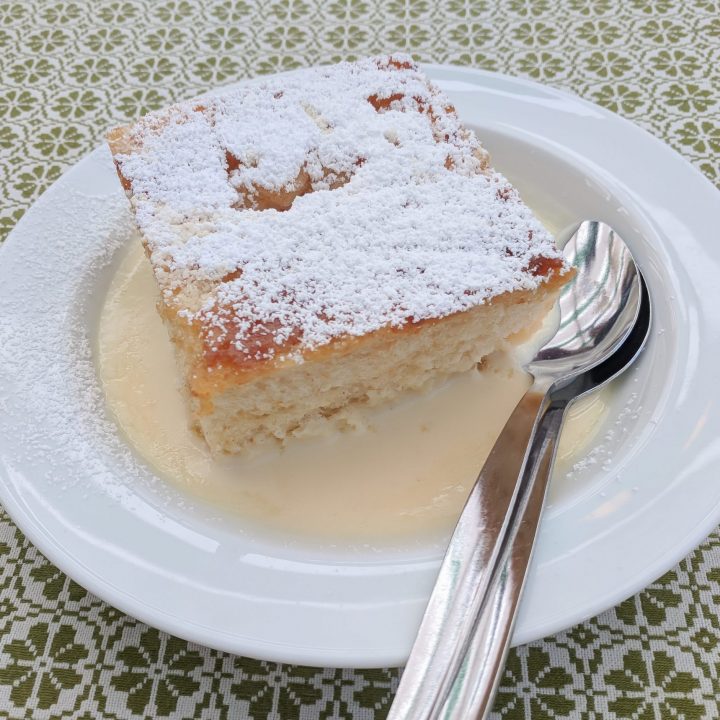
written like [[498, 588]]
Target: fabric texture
[[70, 70]]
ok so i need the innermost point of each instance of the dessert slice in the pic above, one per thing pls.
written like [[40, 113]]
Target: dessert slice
[[326, 239]]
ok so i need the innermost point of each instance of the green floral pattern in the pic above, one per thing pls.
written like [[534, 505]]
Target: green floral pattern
[[69, 70]]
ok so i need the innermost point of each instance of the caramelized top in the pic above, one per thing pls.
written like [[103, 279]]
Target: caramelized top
[[323, 204]]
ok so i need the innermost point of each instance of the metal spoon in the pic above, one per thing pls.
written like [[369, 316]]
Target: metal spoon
[[461, 646]]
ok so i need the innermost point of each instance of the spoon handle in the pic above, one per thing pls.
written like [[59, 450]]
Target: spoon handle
[[459, 653], [474, 687]]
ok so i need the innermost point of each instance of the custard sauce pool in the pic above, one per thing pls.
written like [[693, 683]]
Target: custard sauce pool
[[403, 476]]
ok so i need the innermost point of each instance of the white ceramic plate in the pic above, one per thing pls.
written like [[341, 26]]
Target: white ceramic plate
[[98, 512]]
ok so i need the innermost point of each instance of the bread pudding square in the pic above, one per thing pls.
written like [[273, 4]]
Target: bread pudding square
[[327, 239]]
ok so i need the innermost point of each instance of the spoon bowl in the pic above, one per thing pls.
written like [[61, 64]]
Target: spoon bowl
[[598, 307]]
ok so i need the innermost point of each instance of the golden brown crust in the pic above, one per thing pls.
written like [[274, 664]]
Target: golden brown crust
[[120, 143]]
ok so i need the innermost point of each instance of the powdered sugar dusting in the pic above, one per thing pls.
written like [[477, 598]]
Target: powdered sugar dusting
[[48, 369], [326, 203]]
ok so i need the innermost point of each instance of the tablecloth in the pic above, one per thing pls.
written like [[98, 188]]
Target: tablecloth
[[69, 70]]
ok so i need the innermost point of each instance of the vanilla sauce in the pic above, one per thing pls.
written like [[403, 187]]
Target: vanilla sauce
[[405, 475]]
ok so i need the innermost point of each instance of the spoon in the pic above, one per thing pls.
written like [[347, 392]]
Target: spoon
[[461, 646]]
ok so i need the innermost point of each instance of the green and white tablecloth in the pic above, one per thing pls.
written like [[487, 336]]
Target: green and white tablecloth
[[69, 70]]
